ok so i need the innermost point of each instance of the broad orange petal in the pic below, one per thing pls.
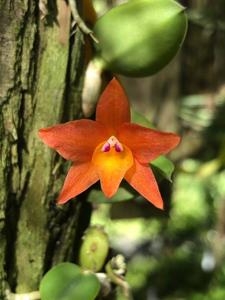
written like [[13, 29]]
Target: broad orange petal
[[111, 167], [75, 140], [113, 107], [141, 178], [147, 144], [79, 178]]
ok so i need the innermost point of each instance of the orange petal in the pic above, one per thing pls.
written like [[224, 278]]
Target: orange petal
[[79, 178], [113, 107], [147, 144], [75, 140], [111, 167], [141, 178]]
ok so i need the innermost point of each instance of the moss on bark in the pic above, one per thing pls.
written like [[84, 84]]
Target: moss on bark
[[40, 85]]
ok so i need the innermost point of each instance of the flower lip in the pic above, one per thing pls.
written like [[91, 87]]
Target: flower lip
[[112, 142], [111, 166]]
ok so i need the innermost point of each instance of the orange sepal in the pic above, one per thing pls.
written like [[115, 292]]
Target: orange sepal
[[147, 144], [113, 107], [111, 167], [79, 178], [141, 178], [75, 140]]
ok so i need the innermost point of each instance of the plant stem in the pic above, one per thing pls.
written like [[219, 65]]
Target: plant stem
[[79, 20]]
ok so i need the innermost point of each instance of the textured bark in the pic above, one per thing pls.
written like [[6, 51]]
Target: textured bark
[[40, 85]]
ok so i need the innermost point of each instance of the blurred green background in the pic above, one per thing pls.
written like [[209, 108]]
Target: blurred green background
[[179, 253]]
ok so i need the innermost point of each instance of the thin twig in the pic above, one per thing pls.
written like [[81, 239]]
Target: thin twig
[[79, 20]]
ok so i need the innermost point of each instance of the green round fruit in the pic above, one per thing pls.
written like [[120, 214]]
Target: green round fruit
[[94, 249], [140, 37]]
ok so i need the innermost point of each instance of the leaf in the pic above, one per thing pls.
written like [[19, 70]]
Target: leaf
[[140, 119], [97, 196], [163, 166], [66, 282]]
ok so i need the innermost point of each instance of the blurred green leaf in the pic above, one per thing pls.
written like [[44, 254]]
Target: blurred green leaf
[[163, 166], [140, 119], [122, 194], [190, 212], [66, 282]]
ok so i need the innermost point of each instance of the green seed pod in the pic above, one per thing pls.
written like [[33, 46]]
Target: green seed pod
[[140, 37], [94, 249]]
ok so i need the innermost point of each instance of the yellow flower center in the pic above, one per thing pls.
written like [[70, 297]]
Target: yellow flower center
[[112, 160], [112, 153]]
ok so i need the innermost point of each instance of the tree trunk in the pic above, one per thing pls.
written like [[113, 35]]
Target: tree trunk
[[41, 72]]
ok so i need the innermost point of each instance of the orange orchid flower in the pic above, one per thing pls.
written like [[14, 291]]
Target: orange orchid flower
[[109, 149]]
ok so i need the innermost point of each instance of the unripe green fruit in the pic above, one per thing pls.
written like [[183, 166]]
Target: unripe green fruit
[[140, 37], [94, 249]]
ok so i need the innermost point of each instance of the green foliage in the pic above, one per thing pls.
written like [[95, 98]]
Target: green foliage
[[66, 282], [134, 41], [94, 249], [190, 208], [97, 196], [139, 269], [163, 166], [140, 119]]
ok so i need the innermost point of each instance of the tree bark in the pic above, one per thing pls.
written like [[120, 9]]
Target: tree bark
[[41, 74]]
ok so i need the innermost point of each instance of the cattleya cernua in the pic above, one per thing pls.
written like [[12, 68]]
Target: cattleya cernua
[[109, 149]]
